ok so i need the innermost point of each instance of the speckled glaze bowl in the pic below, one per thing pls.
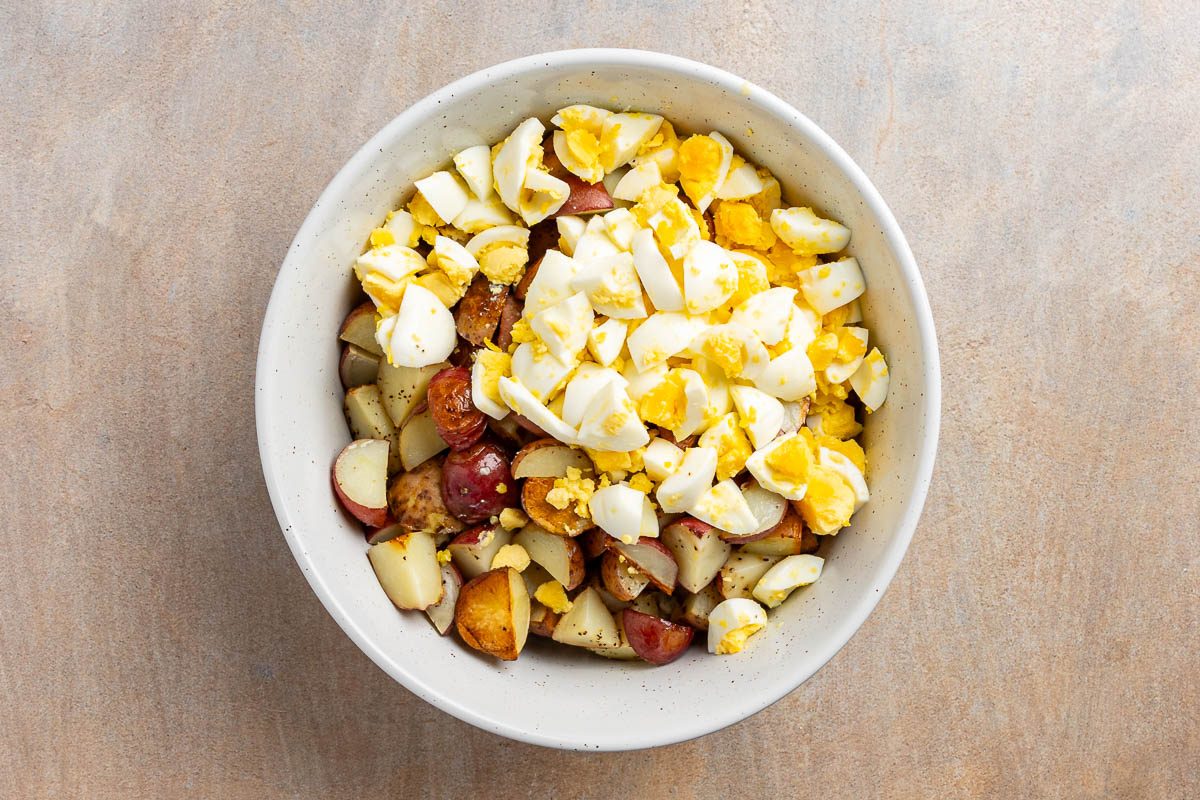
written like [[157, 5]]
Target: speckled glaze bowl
[[553, 695]]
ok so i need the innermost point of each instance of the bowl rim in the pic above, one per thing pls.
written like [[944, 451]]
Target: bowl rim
[[931, 376]]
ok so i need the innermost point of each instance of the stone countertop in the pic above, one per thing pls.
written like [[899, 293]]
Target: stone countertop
[[1041, 637]]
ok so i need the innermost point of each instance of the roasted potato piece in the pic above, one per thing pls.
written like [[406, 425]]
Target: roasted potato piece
[[564, 522], [492, 614], [509, 315], [479, 311], [458, 421], [415, 500]]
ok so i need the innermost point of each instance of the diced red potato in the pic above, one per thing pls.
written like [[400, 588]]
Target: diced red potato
[[623, 651], [492, 614], [647, 603], [360, 480], [585, 198], [457, 419], [611, 603], [527, 425], [402, 390], [655, 639], [542, 620], [594, 543], [369, 420], [588, 623], [542, 237], [415, 501], [696, 607], [476, 482], [741, 572], [560, 521], [474, 548], [652, 558], [441, 613], [359, 328], [535, 575], [462, 355], [698, 549], [419, 440], [522, 287], [357, 366], [478, 312], [508, 431], [509, 314], [622, 580], [548, 458], [389, 531], [408, 570], [668, 605], [789, 538], [561, 556]]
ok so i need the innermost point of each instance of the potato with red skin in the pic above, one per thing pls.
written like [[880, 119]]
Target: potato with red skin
[[462, 355], [621, 578], [585, 198], [542, 237], [509, 314], [654, 639], [458, 421], [476, 482], [415, 500], [594, 543], [560, 521], [479, 310], [522, 287]]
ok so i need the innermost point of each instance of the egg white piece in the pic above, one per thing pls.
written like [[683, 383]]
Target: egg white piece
[[710, 277], [723, 506], [564, 327], [794, 416], [766, 314], [570, 228], [789, 376], [830, 286], [636, 181], [621, 225], [592, 173], [423, 332], [695, 393], [785, 577], [594, 244], [541, 376], [722, 169], [475, 166], [480, 397], [719, 400], [552, 282], [728, 619], [870, 382], [694, 476], [445, 193], [611, 423], [546, 195], [654, 272], [642, 382], [393, 261], [808, 234], [590, 118], [769, 478], [620, 511], [854, 313], [520, 400], [742, 181], [663, 335], [583, 387], [849, 471], [513, 159], [754, 357], [761, 414], [455, 260], [479, 215], [813, 423], [500, 235], [661, 459], [606, 340], [624, 134], [404, 228], [664, 224], [839, 371], [612, 286]]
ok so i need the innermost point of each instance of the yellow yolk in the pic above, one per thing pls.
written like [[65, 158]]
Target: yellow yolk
[[615, 462], [724, 350], [837, 418], [444, 557], [770, 198], [658, 147], [552, 595], [522, 333], [382, 237], [828, 502], [733, 448], [699, 165], [389, 293], [440, 285], [740, 224], [585, 147], [836, 318], [735, 640], [849, 448], [423, 213], [752, 279], [791, 461], [641, 482], [496, 365], [822, 350], [666, 404], [511, 555], [850, 346], [503, 263], [574, 487], [512, 518]]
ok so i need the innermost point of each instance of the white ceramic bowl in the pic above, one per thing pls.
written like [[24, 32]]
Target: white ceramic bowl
[[553, 695]]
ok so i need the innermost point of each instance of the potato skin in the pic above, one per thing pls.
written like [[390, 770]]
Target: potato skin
[[415, 500], [564, 522], [485, 617], [478, 312]]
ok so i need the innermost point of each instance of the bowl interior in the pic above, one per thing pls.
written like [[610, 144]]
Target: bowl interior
[[552, 695]]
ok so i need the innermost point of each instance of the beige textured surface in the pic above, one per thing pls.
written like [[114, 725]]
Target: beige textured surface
[[1042, 637]]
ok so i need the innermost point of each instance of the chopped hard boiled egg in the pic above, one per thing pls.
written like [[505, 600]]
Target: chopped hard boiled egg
[[759, 413], [564, 326], [479, 215], [475, 166], [828, 286], [520, 400], [551, 283], [742, 181], [655, 274], [622, 135], [502, 252], [611, 421], [828, 503], [384, 273], [445, 194], [663, 335], [732, 622], [850, 473], [725, 507], [783, 578], [606, 340], [489, 367], [789, 376], [808, 234], [520, 178], [455, 261], [703, 166], [731, 444], [710, 277], [539, 371], [570, 228], [766, 313], [636, 181], [612, 287], [421, 333], [623, 513], [678, 403], [870, 380], [783, 466], [583, 387], [694, 476], [852, 348], [661, 459]]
